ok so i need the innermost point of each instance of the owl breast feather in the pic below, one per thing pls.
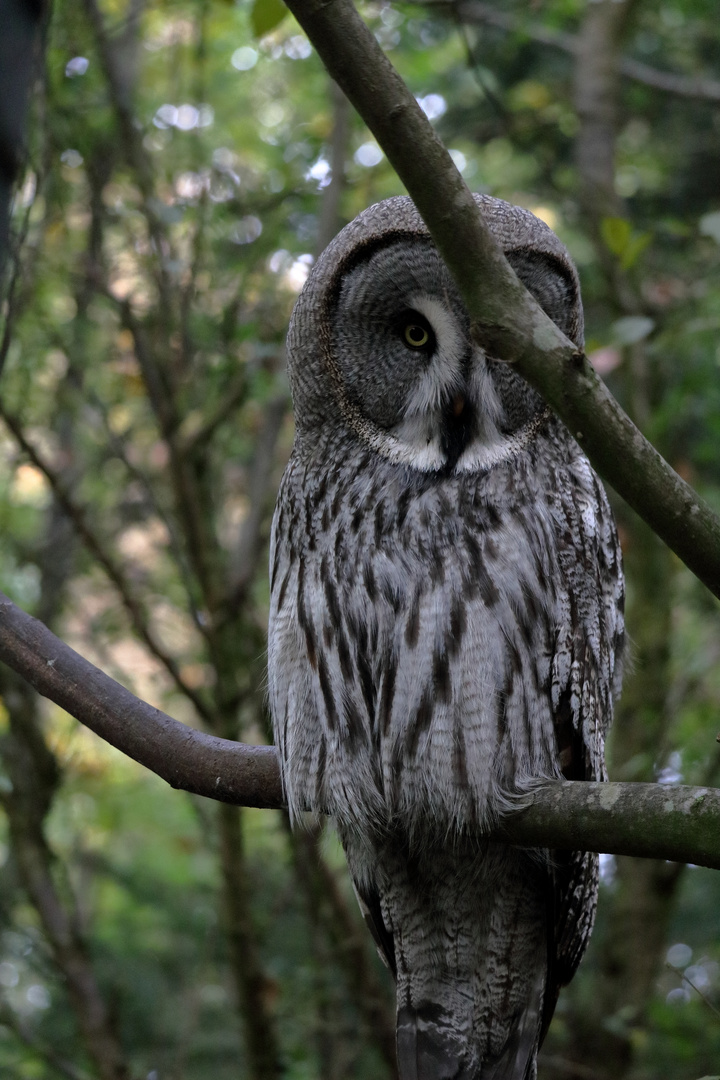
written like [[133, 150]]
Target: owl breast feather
[[426, 631]]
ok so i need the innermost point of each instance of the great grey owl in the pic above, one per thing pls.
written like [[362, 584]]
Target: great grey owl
[[446, 627]]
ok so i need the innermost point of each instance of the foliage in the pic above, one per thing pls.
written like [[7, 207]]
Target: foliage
[[173, 200]]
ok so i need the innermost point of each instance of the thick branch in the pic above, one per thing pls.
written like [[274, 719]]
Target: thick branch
[[506, 319], [647, 820], [185, 758], [656, 821]]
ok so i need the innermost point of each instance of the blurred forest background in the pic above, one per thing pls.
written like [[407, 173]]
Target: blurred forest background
[[186, 163]]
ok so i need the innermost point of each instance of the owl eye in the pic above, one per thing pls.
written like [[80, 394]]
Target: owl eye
[[416, 332], [416, 336]]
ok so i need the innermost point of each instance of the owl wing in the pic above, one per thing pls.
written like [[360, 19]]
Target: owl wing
[[586, 676], [370, 905]]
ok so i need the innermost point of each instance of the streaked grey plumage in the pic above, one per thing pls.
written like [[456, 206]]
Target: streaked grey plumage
[[446, 626]]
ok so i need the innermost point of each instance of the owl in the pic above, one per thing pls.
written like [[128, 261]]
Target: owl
[[446, 630]]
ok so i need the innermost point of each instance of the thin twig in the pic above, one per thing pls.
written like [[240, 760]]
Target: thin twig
[[475, 12], [233, 397], [64, 1068], [117, 446], [686, 978], [92, 542]]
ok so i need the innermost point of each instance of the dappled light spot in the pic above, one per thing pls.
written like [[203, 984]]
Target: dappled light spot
[[433, 105], [605, 360], [546, 214], [72, 158], [679, 955], [9, 974], [293, 271], [321, 172], [672, 773], [165, 116], [190, 185], [297, 47], [224, 159], [184, 117], [459, 160], [608, 866], [38, 996], [244, 58], [368, 155], [77, 66], [246, 230], [29, 487]]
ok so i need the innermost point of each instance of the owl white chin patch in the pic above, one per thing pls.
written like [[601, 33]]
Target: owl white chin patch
[[481, 455], [410, 444]]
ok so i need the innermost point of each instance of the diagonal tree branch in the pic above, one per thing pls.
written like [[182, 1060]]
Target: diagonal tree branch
[[648, 820], [185, 758], [506, 320]]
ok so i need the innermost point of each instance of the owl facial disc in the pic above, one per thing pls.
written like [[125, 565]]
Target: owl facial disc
[[412, 383], [380, 351]]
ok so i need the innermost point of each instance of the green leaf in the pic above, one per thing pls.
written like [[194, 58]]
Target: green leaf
[[266, 15], [616, 232], [634, 249], [620, 239]]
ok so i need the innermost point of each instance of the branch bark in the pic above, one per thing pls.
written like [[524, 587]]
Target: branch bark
[[187, 759], [648, 820], [506, 320]]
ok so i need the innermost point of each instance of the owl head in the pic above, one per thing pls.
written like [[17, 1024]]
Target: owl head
[[379, 346]]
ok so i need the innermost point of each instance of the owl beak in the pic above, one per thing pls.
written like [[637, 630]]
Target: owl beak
[[456, 429]]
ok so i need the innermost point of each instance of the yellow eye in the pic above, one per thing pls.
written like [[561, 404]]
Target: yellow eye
[[416, 336]]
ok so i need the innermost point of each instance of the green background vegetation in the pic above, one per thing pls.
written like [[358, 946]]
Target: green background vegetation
[[178, 188]]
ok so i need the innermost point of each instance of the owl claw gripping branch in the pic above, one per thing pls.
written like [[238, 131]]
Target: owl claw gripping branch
[[446, 627]]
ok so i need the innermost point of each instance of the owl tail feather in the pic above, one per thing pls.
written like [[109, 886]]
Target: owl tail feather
[[427, 1049]]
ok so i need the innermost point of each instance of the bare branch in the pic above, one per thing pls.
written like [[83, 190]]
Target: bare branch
[[118, 66], [22, 1030], [477, 13], [652, 821], [506, 319], [33, 776], [261, 1040], [655, 821], [328, 221], [260, 482], [233, 397], [114, 573]]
